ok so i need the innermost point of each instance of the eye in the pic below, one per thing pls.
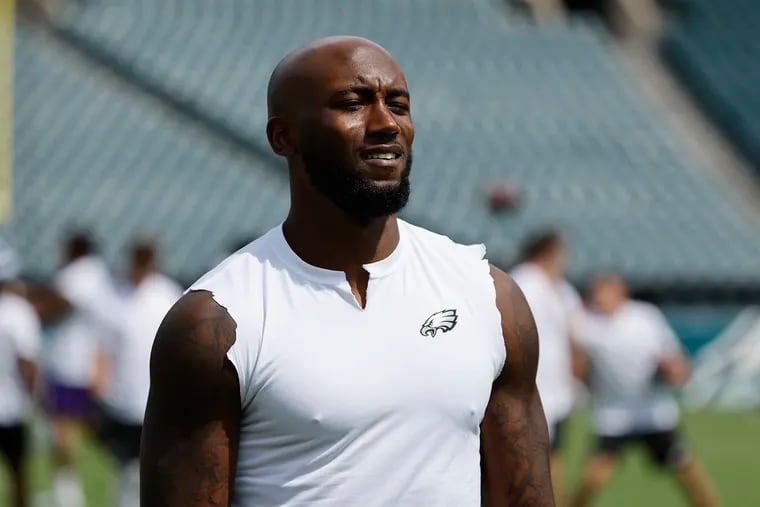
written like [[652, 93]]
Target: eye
[[399, 107], [349, 105]]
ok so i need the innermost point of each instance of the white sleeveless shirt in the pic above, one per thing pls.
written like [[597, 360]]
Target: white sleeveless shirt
[[344, 406]]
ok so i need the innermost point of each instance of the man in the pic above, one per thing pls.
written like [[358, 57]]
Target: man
[[634, 361], [346, 357], [122, 373], [19, 349], [557, 310], [84, 309]]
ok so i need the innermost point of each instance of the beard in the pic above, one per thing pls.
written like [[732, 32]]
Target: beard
[[351, 192]]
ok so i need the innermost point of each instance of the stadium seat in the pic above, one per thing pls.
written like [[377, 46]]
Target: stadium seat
[[715, 48], [108, 157], [548, 108]]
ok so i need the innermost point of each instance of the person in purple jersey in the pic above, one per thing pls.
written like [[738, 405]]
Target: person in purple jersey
[[81, 310]]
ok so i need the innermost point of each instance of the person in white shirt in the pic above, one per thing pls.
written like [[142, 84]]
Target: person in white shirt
[[346, 357], [122, 377], [20, 332], [633, 363], [84, 315], [558, 312]]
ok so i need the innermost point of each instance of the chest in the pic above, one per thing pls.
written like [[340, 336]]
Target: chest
[[621, 343], [324, 363]]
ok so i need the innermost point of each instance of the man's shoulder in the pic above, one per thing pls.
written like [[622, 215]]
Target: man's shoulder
[[87, 266], [240, 263], [643, 310], [194, 306], [19, 317], [239, 279], [14, 306], [434, 241], [10, 300], [85, 278], [161, 286], [527, 275]]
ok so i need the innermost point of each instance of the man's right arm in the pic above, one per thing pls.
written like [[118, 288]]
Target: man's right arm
[[191, 431]]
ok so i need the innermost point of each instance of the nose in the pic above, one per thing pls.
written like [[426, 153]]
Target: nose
[[381, 124]]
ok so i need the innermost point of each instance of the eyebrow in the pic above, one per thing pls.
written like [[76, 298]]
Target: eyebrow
[[365, 90]]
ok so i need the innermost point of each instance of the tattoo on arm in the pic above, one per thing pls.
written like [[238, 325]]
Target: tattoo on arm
[[213, 474], [519, 425], [191, 429], [514, 432]]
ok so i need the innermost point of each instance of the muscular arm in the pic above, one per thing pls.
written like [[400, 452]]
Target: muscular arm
[[514, 436], [192, 423]]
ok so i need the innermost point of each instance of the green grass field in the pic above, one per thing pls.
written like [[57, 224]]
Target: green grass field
[[728, 443]]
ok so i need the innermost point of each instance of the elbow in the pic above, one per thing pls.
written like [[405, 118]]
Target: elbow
[[683, 376]]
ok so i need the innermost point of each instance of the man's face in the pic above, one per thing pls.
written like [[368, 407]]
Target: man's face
[[608, 294], [355, 134]]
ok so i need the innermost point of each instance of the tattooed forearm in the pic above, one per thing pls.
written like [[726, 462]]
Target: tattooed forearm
[[196, 473], [518, 431], [214, 478]]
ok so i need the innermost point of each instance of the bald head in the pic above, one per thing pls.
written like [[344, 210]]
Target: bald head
[[294, 76]]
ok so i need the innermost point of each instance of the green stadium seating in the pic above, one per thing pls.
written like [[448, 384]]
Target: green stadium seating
[[715, 48], [494, 98], [90, 152]]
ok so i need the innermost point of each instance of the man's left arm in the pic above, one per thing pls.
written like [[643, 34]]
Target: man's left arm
[[673, 367], [514, 436]]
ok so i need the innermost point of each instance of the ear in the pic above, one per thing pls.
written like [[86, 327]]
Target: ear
[[279, 136]]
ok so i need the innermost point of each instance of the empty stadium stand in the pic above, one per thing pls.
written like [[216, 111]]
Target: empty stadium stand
[[715, 48], [547, 108], [90, 152]]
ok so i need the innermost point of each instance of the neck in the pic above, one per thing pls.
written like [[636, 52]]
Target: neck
[[73, 258], [324, 236], [613, 309], [138, 277], [618, 306], [544, 266]]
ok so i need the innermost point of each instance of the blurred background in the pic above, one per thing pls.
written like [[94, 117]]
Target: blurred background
[[631, 126]]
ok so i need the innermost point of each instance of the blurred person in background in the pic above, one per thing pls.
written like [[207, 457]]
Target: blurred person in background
[[20, 333], [557, 310], [633, 363], [81, 307], [122, 374]]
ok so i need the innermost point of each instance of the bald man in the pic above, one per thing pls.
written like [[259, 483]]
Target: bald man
[[346, 357]]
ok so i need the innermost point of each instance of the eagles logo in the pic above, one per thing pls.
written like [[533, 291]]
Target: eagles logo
[[443, 321]]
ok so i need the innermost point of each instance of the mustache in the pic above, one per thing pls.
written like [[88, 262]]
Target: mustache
[[349, 189]]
